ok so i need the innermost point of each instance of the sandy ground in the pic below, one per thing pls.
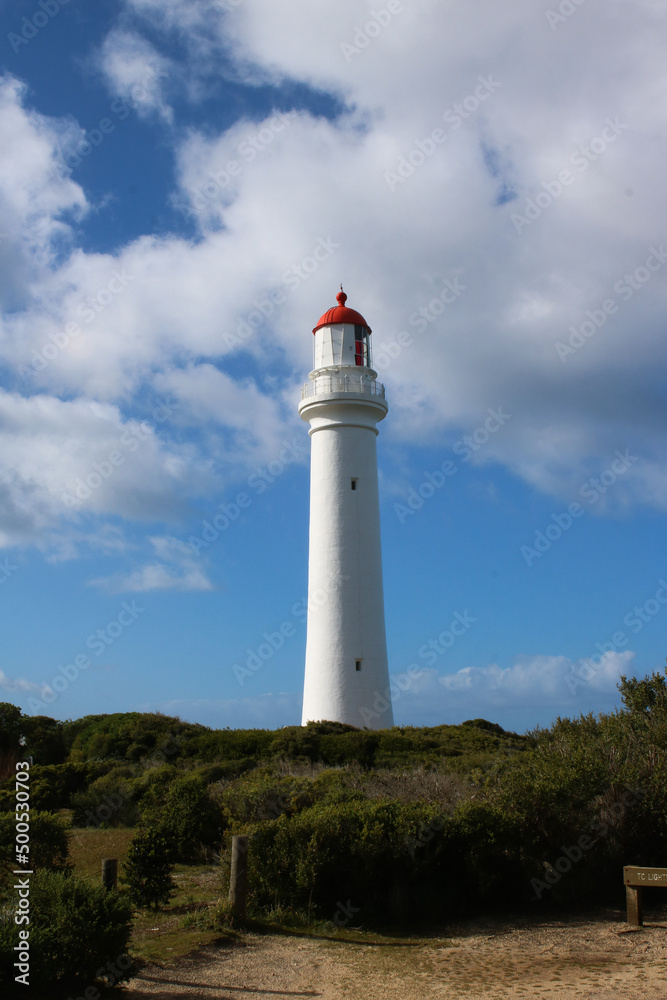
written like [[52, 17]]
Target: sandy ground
[[600, 959]]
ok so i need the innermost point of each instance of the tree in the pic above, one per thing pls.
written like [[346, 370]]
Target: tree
[[44, 739], [647, 696], [11, 728], [148, 868]]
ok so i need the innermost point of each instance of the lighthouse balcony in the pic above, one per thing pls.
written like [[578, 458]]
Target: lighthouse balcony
[[326, 385]]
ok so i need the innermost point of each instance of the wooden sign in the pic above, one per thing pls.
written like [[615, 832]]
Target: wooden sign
[[641, 877], [636, 878]]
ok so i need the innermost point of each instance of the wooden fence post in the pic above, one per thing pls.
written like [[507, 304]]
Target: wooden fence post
[[238, 880], [110, 873]]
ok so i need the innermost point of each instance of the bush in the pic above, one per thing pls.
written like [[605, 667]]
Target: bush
[[392, 861], [601, 778], [110, 800], [75, 930], [131, 736], [150, 862], [51, 785], [262, 795], [186, 814], [49, 841]]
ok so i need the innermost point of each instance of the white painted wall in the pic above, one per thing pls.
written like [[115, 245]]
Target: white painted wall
[[345, 594]]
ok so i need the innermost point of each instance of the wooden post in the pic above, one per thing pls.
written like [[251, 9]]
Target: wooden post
[[238, 880], [110, 873], [633, 898]]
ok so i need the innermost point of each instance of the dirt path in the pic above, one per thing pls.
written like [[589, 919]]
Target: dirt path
[[599, 959]]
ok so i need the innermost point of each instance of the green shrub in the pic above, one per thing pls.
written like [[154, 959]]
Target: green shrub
[[392, 861], [262, 795], [241, 745], [52, 785], [11, 729], [110, 800], [75, 930], [186, 813], [150, 862], [131, 736], [489, 727], [601, 778], [48, 844]]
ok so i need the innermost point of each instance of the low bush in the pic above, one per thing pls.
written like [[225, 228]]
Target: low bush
[[48, 844], [79, 936], [391, 861]]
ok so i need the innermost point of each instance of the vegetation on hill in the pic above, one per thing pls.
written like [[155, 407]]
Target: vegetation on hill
[[351, 825]]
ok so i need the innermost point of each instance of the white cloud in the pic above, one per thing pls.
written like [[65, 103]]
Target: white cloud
[[534, 687], [539, 677], [63, 461], [165, 313], [18, 685], [177, 569], [135, 71], [37, 197], [246, 427]]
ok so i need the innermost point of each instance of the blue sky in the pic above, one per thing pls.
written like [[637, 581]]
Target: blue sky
[[183, 187]]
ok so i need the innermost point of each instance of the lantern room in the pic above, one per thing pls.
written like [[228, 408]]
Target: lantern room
[[342, 338]]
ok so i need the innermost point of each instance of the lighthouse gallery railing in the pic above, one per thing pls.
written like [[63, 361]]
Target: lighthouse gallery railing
[[342, 383]]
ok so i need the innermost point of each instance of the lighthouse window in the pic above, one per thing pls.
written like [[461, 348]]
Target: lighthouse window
[[361, 346], [353, 484], [357, 664]]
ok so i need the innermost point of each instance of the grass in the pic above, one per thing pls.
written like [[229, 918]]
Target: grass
[[189, 921], [87, 848]]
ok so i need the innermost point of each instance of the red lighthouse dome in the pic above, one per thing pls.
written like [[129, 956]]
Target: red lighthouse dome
[[341, 314]]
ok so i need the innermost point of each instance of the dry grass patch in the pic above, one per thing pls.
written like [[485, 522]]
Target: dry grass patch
[[87, 848]]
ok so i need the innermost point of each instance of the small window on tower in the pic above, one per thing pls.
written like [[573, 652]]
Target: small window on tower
[[353, 484], [357, 664]]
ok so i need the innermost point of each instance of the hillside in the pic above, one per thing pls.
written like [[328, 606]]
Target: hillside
[[408, 821]]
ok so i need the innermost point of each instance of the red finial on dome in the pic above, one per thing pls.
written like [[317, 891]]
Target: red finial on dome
[[341, 298]]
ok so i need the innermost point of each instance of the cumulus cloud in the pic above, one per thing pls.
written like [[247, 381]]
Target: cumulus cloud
[[527, 284], [532, 687], [38, 199], [539, 677], [450, 211], [68, 461]]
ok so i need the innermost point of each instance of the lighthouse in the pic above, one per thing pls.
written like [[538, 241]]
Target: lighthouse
[[347, 677]]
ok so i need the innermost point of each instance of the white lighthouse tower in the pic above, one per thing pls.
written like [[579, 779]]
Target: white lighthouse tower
[[347, 678]]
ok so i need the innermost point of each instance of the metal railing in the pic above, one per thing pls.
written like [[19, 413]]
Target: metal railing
[[325, 384]]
